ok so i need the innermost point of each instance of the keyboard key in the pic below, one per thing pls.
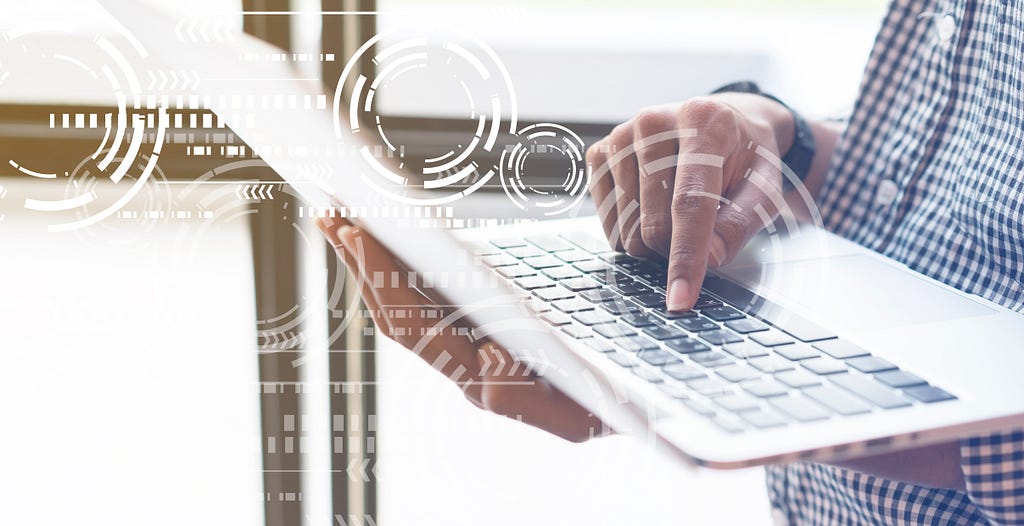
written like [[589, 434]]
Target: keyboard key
[[661, 332], [525, 252], [508, 242], [720, 336], [516, 271], [797, 378], [723, 313], [870, 364], [796, 352], [764, 418], [658, 357], [636, 319], [744, 350], [766, 388], [705, 301], [928, 394], [619, 307], [738, 403], [575, 331], [534, 282], [683, 371], [618, 258], [634, 344], [536, 305], [631, 288], [612, 278], [899, 378], [550, 243], [564, 273], [687, 345], [697, 324], [587, 242], [485, 249], [555, 318], [600, 345], [665, 314], [870, 390], [622, 359], [500, 260], [800, 408], [837, 400], [574, 255], [771, 338], [700, 407], [614, 330], [711, 358], [771, 364], [823, 366], [593, 317], [729, 424], [571, 305], [840, 349], [675, 390], [647, 374], [542, 262], [737, 373], [598, 295], [746, 325], [591, 266], [710, 387], [652, 299], [797, 326], [580, 284], [553, 293]]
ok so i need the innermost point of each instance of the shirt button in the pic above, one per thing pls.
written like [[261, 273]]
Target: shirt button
[[945, 26], [886, 192]]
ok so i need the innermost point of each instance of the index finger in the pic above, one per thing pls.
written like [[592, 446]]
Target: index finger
[[695, 198]]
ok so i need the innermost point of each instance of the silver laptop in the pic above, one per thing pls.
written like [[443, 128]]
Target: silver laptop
[[806, 347]]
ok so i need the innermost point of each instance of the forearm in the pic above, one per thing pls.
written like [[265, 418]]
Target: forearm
[[936, 466]]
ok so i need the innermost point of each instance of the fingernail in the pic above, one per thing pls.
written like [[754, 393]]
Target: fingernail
[[717, 249], [343, 234], [678, 295]]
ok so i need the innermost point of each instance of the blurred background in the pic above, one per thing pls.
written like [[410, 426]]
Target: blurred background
[[185, 350]]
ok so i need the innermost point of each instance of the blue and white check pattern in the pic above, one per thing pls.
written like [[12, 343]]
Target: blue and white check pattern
[[930, 172]]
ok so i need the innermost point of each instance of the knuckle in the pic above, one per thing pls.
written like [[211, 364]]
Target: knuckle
[[688, 196], [733, 227], [498, 399], [655, 230], [650, 121], [701, 110]]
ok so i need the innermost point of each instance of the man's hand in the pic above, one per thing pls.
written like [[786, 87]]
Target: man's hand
[[488, 375], [685, 181]]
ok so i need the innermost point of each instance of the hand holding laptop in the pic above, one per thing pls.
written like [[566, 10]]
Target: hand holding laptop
[[488, 375]]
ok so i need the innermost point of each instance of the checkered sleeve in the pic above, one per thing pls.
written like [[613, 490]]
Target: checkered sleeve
[[993, 468]]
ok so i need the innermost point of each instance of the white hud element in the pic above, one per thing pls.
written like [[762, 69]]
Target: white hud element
[[122, 156]]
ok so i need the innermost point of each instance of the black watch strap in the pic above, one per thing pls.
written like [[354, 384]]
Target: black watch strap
[[801, 153]]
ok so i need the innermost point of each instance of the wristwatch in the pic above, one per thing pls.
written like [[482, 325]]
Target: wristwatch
[[801, 153]]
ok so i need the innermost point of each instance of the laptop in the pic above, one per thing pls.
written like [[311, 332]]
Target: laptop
[[807, 347]]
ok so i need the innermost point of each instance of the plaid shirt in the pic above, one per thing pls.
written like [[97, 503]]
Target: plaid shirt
[[930, 172]]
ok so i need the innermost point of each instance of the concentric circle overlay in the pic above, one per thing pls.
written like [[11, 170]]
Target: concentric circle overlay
[[476, 76], [530, 167], [117, 155]]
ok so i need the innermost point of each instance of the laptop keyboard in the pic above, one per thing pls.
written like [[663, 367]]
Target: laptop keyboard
[[742, 371]]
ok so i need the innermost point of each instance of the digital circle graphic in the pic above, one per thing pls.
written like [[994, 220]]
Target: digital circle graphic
[[542, 140], [477, 76], [25, 50]]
